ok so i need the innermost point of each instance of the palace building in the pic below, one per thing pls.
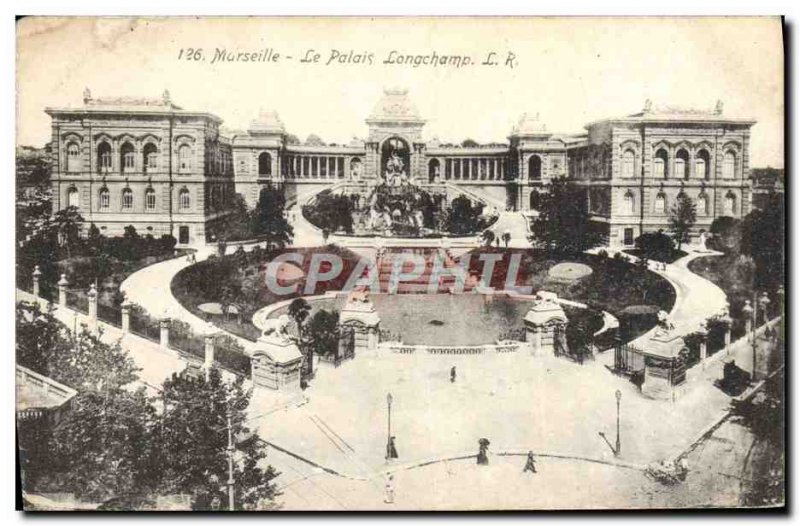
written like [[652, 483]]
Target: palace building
[[162, 169], [142, 162]]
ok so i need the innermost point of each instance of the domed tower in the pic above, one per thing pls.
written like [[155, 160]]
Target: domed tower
[[257, 155], [395, 137], [538, 156]]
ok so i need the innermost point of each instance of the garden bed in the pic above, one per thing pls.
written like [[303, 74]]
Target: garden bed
[[239, 279]]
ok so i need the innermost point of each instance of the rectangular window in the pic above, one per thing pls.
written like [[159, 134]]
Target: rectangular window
[[628, 236]]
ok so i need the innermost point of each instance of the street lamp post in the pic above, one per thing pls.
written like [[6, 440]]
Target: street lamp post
[[231, 500], [618, 394], [751, 313], [388, 425], [616, 448]]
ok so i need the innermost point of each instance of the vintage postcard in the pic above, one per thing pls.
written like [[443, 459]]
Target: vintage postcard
[[277, 264]]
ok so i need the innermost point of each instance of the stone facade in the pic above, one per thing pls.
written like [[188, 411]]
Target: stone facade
[[141, 162], [633, 168]]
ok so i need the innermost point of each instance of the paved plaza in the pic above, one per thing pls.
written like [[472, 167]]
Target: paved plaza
[[519, 402]]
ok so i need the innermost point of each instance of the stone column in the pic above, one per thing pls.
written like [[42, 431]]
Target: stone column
[[62, 291], [92, 295], [126, 316], [164, 334], [728, 340], [36, 275], [208, 363], [703, 343]]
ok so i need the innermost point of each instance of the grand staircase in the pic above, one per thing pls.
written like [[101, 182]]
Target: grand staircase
[[387, 259]]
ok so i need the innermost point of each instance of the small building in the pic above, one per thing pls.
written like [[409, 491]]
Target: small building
[[360, 325], [544, 325], [277, 360]]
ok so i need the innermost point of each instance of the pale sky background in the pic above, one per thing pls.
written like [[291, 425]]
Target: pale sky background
[[570, 71]]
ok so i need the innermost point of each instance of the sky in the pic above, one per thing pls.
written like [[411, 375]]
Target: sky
[[570, 71]]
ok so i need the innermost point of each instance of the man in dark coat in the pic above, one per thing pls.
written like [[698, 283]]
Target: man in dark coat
[[530, 464]]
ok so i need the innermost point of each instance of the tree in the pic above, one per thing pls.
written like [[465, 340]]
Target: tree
[[655, 245], [727, 234], [763, 239], [299, 310], [682, 217], [462, 217], [469, 143], [292, 139], [100, 446], [67, 224], [488, 237], [563, 224], [80, 361], [193, 439], [269, 219], [314, 140], [322, 332]]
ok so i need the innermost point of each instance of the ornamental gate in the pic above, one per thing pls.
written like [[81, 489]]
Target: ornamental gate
[[628, 359]]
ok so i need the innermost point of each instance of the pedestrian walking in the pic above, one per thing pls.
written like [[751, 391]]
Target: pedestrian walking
[[391, 449], [483, 449], [530, 464], [389, 487], [453, 374]]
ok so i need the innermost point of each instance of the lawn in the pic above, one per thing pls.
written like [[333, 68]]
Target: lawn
[[239, 279], [613, 285]]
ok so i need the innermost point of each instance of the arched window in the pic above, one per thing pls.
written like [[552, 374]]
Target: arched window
[[150, 157], [104, 157], [729, 165], [105, 199], [265, 164], [127, 199], [184, 158], [729, 208], [702, 165], [73, 157], [534, 168], [682, 164], [184, 199], [628, 204], [73, 197], [628, 163], [150, 199], [702, 204], [433, 170], [127, 157], [660, 203], [535, 200], [661, 164]]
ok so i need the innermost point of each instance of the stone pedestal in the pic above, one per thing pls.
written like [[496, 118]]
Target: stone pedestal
[[126, 316], [664, 371], [62, 290], [359, 318], [703, 343], [36, 275], [164, 334], [208, 361], [92, 295], [276, 360], [544, 325]]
